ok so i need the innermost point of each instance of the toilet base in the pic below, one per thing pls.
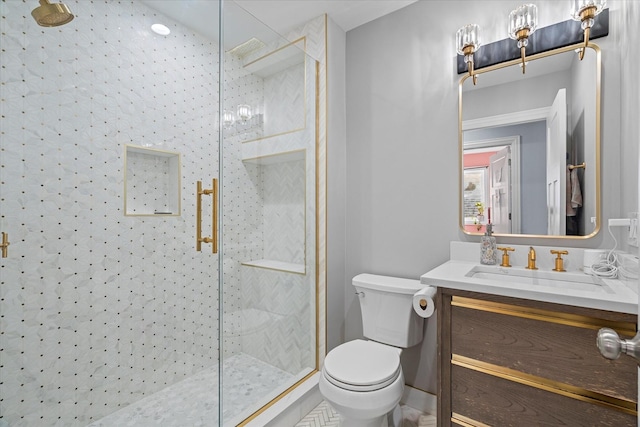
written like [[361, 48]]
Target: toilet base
[[392, 419]]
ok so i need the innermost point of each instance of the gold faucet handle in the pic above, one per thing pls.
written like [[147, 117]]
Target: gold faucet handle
[[559, 260], [505, 256]]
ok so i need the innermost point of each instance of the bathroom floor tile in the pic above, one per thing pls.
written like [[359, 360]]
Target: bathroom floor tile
[[194, 401], [324, 416]]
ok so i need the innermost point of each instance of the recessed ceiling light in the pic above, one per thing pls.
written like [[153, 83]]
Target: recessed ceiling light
[[163, 30]]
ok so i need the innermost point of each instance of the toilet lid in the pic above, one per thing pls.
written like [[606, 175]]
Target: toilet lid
[[362, 365]]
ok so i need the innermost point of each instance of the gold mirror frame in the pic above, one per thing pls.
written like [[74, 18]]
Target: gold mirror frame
[[598, 209]]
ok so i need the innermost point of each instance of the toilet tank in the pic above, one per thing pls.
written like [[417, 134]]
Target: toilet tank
[[387, 309]]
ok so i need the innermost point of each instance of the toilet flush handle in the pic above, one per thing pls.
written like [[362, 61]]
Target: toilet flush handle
[[360, 294]]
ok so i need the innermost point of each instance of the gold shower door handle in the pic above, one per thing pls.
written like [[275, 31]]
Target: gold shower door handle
[[214, 216], [5, 244]]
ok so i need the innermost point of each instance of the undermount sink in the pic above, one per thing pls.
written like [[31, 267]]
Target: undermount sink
[[554, 279]]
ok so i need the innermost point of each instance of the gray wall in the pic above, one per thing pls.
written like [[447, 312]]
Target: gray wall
[[336, 188], [630, 105], [402, 177], [505, 98]]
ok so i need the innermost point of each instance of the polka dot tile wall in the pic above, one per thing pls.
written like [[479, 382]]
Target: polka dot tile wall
[[99, 309]]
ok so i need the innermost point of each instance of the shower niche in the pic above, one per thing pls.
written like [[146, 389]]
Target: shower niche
[[151, 182], [269, 97], [280, 181], [277, 147]]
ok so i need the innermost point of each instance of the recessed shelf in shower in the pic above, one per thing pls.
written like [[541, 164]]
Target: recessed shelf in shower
[[151, 182], [279, 96], [280, 183]]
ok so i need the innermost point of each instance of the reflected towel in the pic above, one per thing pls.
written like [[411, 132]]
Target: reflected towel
[[574, 194]]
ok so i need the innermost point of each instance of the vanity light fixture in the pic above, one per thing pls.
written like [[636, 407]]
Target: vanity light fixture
[[228, 119], [562, 34], [241, 119], [467, 43], [244, 113], [522, 23], [586, 11]]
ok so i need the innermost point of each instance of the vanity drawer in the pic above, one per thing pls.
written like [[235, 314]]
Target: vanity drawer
[[481, 399], [506, 361], [544, 344]]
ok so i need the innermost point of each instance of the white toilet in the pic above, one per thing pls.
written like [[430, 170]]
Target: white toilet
[[362, 379]]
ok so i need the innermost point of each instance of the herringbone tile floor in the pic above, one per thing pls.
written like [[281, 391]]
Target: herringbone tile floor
[[324, 416]]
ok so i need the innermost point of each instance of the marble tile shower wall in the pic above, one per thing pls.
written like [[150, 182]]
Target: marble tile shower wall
[[271, 314], [282, 186], [284, 301], [100, 309]]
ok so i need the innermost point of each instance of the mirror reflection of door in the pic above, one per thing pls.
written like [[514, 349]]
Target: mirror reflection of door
[[503, 179], [556, 165], [500, 190]]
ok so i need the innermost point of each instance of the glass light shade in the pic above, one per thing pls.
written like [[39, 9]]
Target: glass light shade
[[228, 119], [580, 5], [469, 35], [524, 17], [244, 112]]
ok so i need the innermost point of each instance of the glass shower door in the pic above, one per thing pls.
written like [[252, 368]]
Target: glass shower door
[[268, 192]]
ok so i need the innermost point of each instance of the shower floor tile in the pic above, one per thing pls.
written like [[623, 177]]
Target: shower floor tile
[[324, 416], [194, 400]]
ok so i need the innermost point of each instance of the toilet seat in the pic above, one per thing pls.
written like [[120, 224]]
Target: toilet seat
[[362, 365]]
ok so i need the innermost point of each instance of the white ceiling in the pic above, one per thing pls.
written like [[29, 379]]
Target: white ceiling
[[278, 15], [282, 15]]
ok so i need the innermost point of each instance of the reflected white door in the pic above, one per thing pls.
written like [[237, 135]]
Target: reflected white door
[[556, 165], [500, 190]]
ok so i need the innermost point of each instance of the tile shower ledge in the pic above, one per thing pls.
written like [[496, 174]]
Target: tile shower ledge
[[615, 295], [287, 267]]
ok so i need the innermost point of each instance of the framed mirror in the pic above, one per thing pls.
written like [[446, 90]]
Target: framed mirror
[[530, 146]]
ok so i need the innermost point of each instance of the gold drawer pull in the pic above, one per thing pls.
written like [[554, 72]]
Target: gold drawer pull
[[214, 216]]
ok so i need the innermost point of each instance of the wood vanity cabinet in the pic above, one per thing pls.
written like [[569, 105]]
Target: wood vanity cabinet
[[513, 362]]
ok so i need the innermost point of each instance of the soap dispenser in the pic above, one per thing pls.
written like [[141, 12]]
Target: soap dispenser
[[488, 249]]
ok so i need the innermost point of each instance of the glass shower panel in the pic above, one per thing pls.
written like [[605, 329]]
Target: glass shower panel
[[268, 184], [108, 316]]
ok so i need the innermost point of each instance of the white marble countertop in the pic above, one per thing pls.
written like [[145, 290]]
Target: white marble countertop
[[613, 295]]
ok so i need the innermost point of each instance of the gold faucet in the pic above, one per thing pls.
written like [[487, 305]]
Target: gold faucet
[[559, 260], [531, 259], [505, 256]]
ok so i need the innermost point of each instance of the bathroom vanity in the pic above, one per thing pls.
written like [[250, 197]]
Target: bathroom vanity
[[518, 347]]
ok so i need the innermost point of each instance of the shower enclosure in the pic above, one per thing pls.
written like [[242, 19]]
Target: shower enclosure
[[123, 151]]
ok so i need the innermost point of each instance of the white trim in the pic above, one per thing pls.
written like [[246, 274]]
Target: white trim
[[514, 143], [516, 117], [420, 400], [291, 408]]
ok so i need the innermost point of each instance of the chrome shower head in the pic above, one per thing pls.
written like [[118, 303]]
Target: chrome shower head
[[51, 15]]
